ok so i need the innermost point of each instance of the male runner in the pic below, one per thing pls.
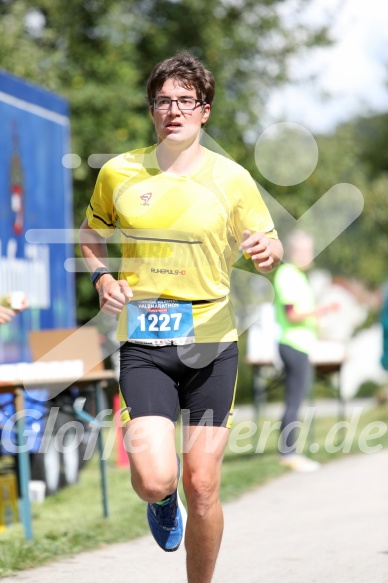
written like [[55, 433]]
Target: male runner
[[183, 213]]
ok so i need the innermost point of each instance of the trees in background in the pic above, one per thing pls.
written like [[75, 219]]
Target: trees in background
[[99, 53], [356, 153]]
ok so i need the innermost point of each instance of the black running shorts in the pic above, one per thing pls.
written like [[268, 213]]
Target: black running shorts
[[198, 379]]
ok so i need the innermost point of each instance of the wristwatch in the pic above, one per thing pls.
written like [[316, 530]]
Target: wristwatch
[[97, 274]]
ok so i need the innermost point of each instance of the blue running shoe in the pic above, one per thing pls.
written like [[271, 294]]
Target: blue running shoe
[[167, 521]]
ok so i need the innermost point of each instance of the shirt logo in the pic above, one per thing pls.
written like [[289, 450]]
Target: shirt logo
[[146, 198], [169, 271]]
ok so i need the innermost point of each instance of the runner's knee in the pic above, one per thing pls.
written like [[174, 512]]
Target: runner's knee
[[154, 488], [201, 491]]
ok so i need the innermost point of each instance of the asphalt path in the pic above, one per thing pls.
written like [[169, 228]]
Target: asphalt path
[[330, 526]]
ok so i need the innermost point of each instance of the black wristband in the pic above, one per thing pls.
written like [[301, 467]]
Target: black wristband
[[97, 274]]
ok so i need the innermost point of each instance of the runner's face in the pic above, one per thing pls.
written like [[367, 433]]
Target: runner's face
[[173, 125]]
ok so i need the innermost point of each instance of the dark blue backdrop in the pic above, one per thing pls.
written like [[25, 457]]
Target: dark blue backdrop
[[35, 193]]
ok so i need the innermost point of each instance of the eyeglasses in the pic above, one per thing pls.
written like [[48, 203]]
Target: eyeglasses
[[183, 103]]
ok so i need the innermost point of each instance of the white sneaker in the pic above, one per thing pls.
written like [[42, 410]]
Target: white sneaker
[[299, 463]]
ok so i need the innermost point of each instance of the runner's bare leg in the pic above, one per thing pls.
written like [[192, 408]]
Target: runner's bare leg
[[201, 483]]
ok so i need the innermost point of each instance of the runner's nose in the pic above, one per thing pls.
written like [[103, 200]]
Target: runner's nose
[[174, 109]]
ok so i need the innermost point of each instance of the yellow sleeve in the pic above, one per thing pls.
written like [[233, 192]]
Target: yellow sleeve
[[250, 212], [101, 214]]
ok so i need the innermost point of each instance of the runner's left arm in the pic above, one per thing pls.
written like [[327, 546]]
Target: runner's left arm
[[253, 226]]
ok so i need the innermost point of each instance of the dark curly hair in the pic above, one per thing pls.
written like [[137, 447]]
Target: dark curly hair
[[186, 69]]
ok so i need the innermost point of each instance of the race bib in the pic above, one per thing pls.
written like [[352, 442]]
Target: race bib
[[160, 322]]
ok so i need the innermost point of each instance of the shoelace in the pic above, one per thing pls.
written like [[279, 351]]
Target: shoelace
[[166, 513]]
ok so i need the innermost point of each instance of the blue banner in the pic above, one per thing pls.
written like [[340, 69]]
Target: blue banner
[[35, 193]]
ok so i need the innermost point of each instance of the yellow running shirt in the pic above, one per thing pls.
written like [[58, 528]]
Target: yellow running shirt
[[180, 234]]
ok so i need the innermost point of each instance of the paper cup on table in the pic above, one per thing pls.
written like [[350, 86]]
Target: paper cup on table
[[17, 300]]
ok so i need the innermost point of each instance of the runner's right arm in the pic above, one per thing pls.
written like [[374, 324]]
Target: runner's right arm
[[113, 294]]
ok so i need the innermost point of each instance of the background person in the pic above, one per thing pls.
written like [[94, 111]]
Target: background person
[[183, 213], [296, 315]]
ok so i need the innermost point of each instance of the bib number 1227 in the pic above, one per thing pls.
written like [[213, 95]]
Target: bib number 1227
[[160, 321]]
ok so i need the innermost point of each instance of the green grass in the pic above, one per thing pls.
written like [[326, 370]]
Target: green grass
[[71, 521]]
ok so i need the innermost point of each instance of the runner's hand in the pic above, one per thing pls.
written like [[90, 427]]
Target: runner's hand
[[113, 294], [258, 247]]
